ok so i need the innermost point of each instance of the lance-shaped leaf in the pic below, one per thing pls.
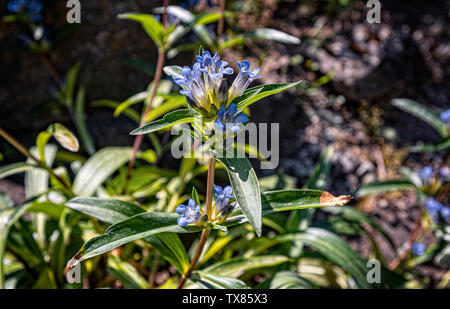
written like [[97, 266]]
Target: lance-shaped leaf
[[153, 27], [8, 217], [204, 280], [113, 211], [126, 273], [422, 112], [257, 93], [147, 224], [337, 251], [173, 71], [176, 117], [136, 227], [385, 186], [246, 189], [236, 267], [98, 168], [15, 168], [262, 34], [283, 200], [106, 210], [442, 145]]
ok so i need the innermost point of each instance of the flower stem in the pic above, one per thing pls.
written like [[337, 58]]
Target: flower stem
[[16, 144], [198, 252], [206, 231], [156, 80]]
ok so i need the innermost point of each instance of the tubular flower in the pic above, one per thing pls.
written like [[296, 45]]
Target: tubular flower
[[206, 88], [189, 214], [244, 78], [223, 196], [201, 83], [426, 173], [229, 120]]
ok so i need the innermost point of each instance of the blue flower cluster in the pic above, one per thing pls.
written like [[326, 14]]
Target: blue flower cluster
[[436, 210], [32, 8], [445, 116], [206, 88], [189, 214], [427, 173], [223, 196], [229, 120]]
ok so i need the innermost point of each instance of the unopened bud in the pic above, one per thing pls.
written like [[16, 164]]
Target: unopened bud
[[222, 95]]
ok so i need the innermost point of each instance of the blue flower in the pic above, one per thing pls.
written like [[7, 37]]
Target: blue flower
[[426, 173], [229, 120], [418, 248], [201, 84], [189, 213], [223, 196], [32, 8], [445, 116], [445, 172], [433, 205], [243, 80], [445, 212]]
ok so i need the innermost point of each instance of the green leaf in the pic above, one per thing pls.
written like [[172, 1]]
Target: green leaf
[[147, 224], [442, 145], [257, 93], [422, 112], [245, 188], [136, 227], [287, 280], [169, 120], [172, 102], [15, 168], [204, 280], [8, 217], [338, 252], [282, 200], [153, 27], [384, 186], [37, 180], [174, 248], [113, 211], [273, 35], [106, 210], [126, 273], [66, 95], [237, 266], [80, 123], [64, 136], [173, 71], [98, 168], [355, 215]]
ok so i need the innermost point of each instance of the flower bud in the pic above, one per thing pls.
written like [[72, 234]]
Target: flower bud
[[222, 95]]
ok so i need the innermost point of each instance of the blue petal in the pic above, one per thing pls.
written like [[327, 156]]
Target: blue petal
[[182, 221], [216, 75], [228, 191], [221, 112], [228, 71], [241, 118], [232, 109], [197, 209], [219, 125], [217, 190], [181, 209], [191, 203]]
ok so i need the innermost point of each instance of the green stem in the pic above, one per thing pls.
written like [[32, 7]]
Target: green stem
[[206, 231], [16, 144], [198, 252], [158, 73]]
